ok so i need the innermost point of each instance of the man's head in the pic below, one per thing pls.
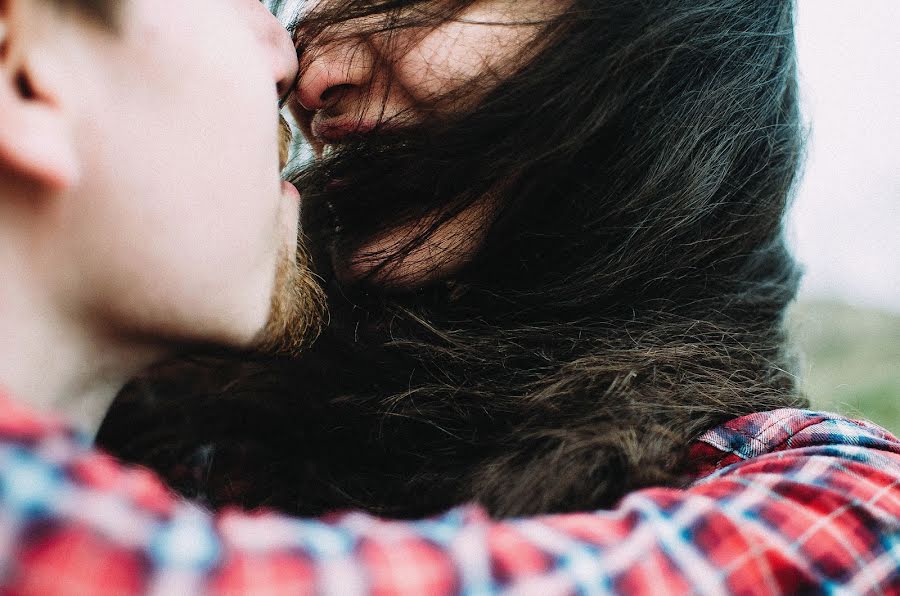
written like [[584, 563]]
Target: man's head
[[140, 195]]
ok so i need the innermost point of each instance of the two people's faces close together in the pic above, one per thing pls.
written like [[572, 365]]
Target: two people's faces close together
[[197, 88], [507, 206], [529, 257], [206, 122]]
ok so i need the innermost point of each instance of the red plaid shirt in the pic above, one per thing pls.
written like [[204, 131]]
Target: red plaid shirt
[[787, 501]]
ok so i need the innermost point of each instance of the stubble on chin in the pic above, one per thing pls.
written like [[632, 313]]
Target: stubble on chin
[[297, 309]]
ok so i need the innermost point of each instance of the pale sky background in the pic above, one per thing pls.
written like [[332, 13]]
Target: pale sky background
[[845, 225]]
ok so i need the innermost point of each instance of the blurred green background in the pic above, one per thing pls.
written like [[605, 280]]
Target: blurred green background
[[850, 360]]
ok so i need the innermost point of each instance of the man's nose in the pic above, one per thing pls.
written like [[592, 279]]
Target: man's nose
[[277, 43], [333, 70]]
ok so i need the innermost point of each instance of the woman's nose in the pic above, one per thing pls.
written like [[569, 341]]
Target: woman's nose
[[331, 70]]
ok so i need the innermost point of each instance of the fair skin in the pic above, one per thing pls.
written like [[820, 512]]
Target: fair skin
[[133, 222], [347, 87]]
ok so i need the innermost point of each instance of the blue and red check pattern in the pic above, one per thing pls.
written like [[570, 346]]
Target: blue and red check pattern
[[786, 501]]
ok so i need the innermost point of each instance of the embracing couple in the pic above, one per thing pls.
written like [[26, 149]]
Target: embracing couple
[[530, 339]]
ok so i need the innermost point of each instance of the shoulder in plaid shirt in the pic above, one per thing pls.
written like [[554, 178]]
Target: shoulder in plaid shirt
[[787, 501]]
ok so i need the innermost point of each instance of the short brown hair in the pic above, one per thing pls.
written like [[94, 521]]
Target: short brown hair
[[103, 11]]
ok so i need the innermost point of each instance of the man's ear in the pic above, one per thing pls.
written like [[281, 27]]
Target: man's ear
[[36, 141]]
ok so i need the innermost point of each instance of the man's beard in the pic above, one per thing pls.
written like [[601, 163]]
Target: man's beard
[[297, 308], [297, 305]]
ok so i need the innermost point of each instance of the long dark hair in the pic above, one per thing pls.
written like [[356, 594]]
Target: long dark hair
[[628, 296]]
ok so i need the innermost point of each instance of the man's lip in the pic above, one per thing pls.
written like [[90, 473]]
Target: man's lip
[[289, 191]]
